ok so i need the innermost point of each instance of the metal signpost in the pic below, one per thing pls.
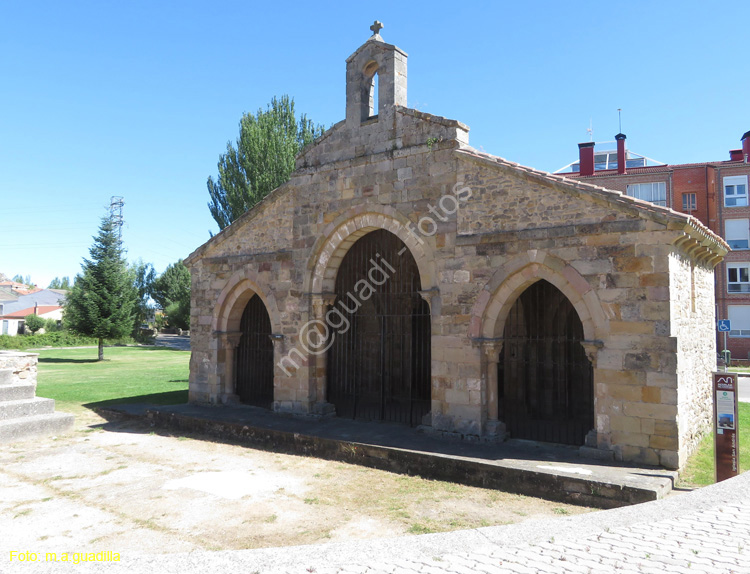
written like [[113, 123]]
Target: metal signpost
[[726, 434], [724, 326]]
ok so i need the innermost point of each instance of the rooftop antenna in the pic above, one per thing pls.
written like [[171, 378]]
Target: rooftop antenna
[[591, 130], [619, 115]]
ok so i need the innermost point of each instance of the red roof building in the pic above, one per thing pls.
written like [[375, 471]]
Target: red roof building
[[714, 192]]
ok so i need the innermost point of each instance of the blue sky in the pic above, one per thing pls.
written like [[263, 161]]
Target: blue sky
[[138, 99]]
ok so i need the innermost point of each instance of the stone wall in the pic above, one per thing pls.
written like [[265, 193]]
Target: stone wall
[[692, 320], [18, 367], [24, 415]]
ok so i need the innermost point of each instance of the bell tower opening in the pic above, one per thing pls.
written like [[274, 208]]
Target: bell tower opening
[[375, 80], [371, 87]]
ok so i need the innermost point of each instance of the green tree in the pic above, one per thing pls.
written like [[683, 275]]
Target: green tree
[[101, 303], [171, 291], [33, 323], [143, 277], [18, 279], [58, 283], [261, 159]]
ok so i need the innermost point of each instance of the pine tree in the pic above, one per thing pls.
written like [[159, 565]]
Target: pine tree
[[261, 160], [102, 301]]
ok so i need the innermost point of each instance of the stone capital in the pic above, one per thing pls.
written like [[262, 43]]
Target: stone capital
[[429, 294], [320, 301], [491, 347], [229, 338], [592, 350]]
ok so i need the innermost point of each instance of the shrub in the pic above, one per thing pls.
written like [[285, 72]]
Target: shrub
[[59, 339], [34, 323], [52, 326]]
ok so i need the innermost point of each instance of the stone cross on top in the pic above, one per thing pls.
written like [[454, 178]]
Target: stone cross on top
[[376, 27]]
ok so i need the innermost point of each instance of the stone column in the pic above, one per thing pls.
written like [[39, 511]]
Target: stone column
[[278, 352], [318, 362], [228, 342], [596, 443], [432, 298], [490, 350]]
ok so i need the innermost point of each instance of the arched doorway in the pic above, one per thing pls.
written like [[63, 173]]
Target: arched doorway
[[379, 365], [545, 380], [254, 367]]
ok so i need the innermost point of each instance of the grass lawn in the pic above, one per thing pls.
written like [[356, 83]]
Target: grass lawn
[[699, 470], [75, 379]]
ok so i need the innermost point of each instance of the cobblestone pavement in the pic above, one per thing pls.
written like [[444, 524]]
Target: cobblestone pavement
[[715, 541]]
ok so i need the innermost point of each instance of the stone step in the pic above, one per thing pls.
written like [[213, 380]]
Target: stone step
[[25, 408], [33, 426], [17, 391], [6, 376]]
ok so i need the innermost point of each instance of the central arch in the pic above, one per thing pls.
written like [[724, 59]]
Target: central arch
[[545, 380], [379, 363]]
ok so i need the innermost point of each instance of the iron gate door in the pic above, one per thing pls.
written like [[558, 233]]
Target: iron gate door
[[254, 364], [546, 391], [379, 367]]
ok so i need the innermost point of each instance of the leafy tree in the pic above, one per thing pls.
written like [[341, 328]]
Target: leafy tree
[[58, 283], [33, 323], [143, 277], [171, 291], [101, 303], [52, 326], [178, 315], [260, 161], [17, 279]]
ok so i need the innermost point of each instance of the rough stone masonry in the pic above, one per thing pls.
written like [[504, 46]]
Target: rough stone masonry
[[614, 356]]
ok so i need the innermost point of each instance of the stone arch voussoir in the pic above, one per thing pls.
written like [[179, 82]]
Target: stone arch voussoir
[[336, 239], [235, 296], [512, 278]]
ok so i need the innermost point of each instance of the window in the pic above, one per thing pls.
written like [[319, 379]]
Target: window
[[738, 233], [655, 192], [689, 202], [738, 277], [735, 191], [739, 316]]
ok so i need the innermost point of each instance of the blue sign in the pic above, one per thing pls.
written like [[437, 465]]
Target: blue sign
[[724, 326]]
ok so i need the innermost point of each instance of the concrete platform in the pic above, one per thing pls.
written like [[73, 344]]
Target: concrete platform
[[534, 469], [27, 427]]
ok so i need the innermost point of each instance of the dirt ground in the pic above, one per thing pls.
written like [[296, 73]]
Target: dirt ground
[[121, 486]]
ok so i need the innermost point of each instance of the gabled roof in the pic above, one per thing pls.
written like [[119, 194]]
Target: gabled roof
[[648, 209], [43, 310]]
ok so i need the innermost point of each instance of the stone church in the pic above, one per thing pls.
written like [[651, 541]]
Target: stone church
[[402, 276]]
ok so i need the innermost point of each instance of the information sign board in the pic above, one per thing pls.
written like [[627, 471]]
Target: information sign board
[[726, 439]]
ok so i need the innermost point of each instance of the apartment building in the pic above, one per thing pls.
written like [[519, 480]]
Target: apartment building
[[715, 192]]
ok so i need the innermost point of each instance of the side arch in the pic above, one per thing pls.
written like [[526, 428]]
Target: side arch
[[227, 331], [234, 297], [497, 298], [337, 237]]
